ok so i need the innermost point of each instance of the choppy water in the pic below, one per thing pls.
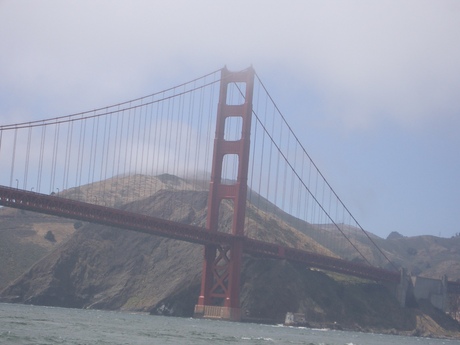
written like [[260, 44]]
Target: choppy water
[[25, 324]]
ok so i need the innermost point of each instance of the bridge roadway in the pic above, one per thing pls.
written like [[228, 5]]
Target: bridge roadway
[[67, 208]]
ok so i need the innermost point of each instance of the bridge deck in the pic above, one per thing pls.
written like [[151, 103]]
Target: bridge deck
[[67, 208]]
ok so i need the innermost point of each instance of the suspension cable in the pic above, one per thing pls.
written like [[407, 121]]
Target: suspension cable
[[81, 115], [322, 176]]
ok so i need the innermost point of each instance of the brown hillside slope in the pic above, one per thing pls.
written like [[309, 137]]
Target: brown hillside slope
[[22, 234], [102, 267], [24, 240]]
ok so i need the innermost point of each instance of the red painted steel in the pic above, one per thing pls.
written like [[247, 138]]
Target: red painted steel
[[57, 206], [73, 209], [220, 284]]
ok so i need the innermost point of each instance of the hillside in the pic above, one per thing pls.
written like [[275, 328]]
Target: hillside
[[103, 267], [24, 240], [22, 233], [96, 266], [427, 256]]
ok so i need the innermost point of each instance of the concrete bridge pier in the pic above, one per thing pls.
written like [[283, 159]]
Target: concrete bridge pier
[[432, 290], [404, 288], [413, 288]]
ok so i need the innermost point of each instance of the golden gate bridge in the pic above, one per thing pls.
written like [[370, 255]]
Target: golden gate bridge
[[222, 132]]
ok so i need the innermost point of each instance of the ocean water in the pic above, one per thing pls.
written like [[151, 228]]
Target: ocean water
[[25, 324]]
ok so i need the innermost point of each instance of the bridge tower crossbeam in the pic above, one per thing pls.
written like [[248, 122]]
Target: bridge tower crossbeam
[[220, 285]]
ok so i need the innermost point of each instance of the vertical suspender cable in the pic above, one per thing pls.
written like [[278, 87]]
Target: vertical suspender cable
[[137, 169], [113, 153], [104, 162], [125, 178], [178, 146], [199, 129], [270, 156], [82, 156], [67, 156], [209, 130], [116, 162], [278, 164], [262, 169], [159, 136], [26, 167], [172, 138], [142, 172], [40, 161], [284, 180], [13, 156], [169, 148], [191, 106], [166, 141], [251, 197], [156, 144], [119, 146], [149, 144], [55, 155], [253, 159], [78, 166], [299, 190], [131, 189], [291, 202], [94, 146]]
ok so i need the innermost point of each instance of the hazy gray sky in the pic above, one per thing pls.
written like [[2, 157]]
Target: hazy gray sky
[[373, 86]]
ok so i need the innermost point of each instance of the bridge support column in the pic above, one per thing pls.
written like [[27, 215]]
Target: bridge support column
[[220, 283], [405, 289]]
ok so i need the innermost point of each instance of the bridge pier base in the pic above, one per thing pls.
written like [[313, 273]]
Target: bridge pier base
[[216, 312]]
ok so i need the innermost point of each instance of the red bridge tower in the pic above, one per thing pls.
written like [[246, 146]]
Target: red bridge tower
[[220, 284]]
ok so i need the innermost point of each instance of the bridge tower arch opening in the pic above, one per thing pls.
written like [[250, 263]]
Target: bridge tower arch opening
[[220, 284]]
